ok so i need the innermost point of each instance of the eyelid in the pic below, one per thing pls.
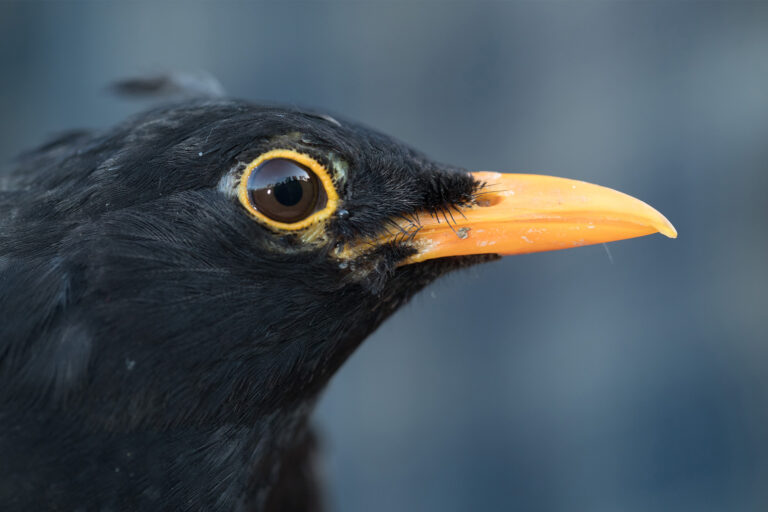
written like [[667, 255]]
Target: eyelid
[[324, 177]]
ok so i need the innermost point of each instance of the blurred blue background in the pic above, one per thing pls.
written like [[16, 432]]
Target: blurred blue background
[[574, 380]]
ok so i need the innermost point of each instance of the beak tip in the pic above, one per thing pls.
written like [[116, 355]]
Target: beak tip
[[665, 227], [669, 231]]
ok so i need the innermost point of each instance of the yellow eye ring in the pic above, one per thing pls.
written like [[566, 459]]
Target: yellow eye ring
[[307, 162]]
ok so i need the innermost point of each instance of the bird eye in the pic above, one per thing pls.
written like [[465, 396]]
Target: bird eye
[[284, 190], [287, 190]]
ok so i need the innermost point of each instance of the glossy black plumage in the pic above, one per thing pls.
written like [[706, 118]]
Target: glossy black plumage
[[159, 349]]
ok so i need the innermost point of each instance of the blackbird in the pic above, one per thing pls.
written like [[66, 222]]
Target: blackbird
[[176, 291]]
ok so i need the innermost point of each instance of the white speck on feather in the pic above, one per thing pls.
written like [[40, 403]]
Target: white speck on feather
[[130, 364], [330, 119]]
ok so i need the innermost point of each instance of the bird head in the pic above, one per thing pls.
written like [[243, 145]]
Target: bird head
[[218, 261]]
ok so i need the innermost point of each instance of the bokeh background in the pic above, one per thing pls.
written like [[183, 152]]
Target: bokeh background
[[631, 378]]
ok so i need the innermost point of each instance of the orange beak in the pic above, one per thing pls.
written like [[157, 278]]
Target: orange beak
[[524, 213]]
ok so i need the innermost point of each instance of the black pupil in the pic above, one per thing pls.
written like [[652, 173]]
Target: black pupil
[[289, 192], [285, 190]]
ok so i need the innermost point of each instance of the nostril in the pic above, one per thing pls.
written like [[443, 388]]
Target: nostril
[[486, 199]]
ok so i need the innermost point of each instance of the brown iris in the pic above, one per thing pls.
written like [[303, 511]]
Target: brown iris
[[285, 190]]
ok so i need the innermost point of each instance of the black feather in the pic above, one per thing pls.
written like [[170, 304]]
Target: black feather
[[159, 349]]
